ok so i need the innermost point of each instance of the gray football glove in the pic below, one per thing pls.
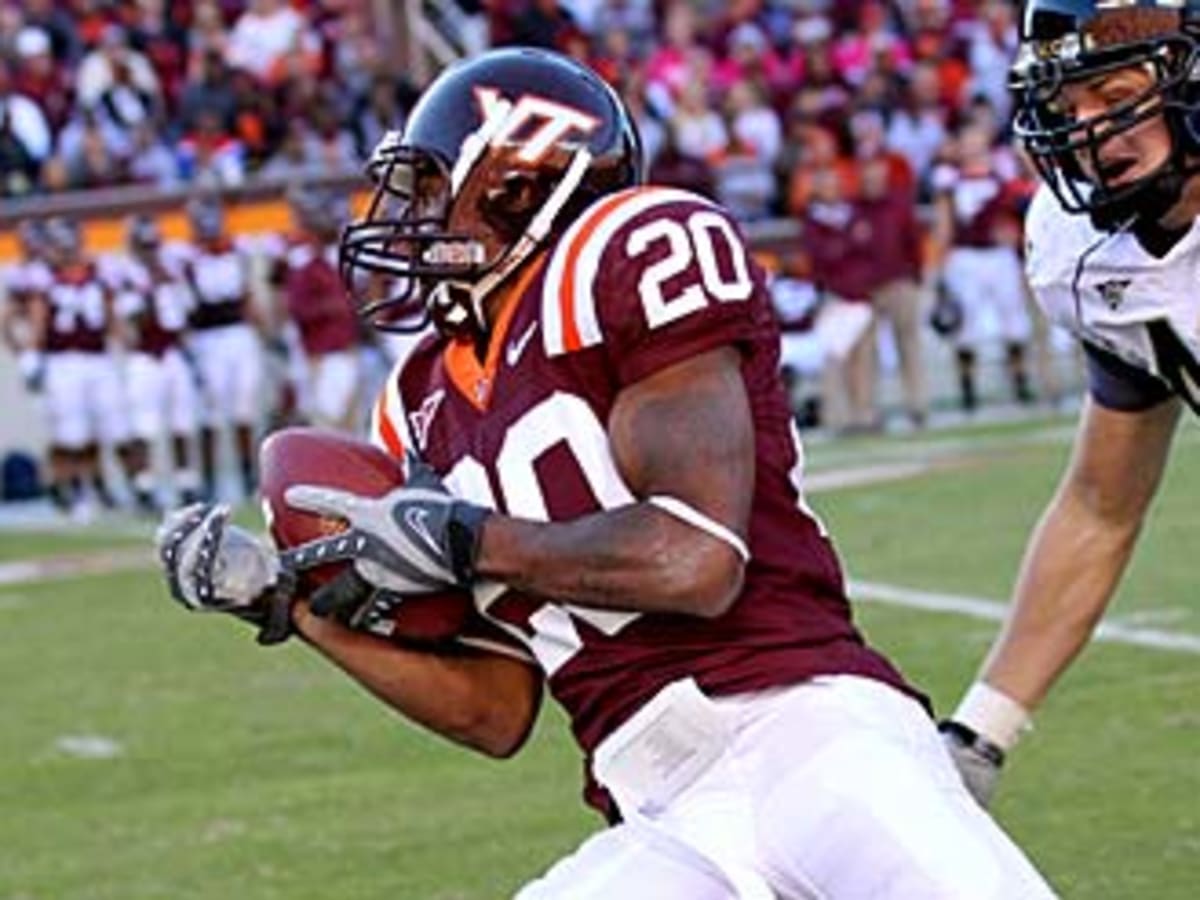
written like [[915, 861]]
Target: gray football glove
[[977, 759], [212, 566], [416, 539]]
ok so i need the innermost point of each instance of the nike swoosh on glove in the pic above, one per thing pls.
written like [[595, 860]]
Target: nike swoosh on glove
[[212, 566], [416, 539]]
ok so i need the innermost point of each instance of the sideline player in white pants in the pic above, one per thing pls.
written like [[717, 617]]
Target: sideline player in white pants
[[72, 323], [160, 381], [975, 229], [225, 339]]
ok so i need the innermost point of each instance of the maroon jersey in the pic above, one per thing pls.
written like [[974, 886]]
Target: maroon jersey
[[79, 310], [644, 279], [156, 302], [316, 299], [219, 275], [982, 204]]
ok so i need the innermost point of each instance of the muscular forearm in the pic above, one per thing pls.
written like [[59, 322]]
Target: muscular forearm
[[483, 701], [1071, 569], [634, 558]]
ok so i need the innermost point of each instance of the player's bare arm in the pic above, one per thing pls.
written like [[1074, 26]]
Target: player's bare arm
[[1082, 545], [682, 433], [484, 701], [481, 699]]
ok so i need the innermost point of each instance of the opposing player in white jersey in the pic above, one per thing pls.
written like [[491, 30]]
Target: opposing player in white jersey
[[1108, 106], [225, 329], [602, 393], [161, 384]]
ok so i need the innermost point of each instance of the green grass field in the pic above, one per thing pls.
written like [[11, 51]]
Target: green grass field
[[235, 772]]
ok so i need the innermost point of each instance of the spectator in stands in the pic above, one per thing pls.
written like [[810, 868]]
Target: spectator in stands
[[753, 121], [676, 168], [993, 46], [636, 18], [154, 31], [918, 126], [750, 57], [821, 79], [697, 127], [209, 155], [543, 23], [151, 160], [209, 89], [118, 77], [208, 33], [819, 152], [872, 43], [613, 56], [40, 78], [329, 144], [24, 138], [868, 137], [383, 107], [745, 179], [291, 162], [669, 68], [894, 276], [355, 58], [53, 18], [265, 34], [650, 126], [257, 123]]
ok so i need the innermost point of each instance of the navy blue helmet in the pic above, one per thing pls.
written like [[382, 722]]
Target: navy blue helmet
[[1074, 41], [501, 152]]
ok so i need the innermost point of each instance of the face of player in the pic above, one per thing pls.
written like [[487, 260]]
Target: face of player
[[1130, 153]]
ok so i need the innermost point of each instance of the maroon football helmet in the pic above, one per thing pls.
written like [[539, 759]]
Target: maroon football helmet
[[501, 152]]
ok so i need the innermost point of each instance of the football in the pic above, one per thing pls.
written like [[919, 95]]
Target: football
[[295, 456]]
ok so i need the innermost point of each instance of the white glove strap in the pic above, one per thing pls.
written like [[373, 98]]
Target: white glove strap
[[993, 715]]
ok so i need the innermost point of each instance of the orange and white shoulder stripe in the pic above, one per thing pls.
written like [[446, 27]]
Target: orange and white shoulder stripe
[[388, 421], [569, 319]]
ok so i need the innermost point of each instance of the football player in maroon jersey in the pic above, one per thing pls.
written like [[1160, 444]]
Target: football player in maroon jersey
[[73, 322], [599, 446], [226, 329], [322, 329], [161, 382], [21, 282], [977, 238]]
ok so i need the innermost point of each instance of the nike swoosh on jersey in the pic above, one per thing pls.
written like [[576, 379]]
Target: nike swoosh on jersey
[[516, 347]]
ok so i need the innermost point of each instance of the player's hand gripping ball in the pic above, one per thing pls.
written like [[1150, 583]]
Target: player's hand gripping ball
[[311, 456]]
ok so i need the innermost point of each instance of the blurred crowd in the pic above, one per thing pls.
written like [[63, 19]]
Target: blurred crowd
[[745, 97], [95, 93], [878, 130]]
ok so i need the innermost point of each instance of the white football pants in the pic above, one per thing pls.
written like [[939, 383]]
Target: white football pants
[[835, 789]]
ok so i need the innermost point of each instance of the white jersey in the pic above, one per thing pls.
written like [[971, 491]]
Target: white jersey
[[1113, 294]]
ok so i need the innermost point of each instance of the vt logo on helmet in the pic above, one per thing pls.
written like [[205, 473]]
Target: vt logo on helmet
[[1092, 79], [500, 154]]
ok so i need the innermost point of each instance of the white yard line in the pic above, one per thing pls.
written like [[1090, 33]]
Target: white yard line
[[994, 611], [100, 562]]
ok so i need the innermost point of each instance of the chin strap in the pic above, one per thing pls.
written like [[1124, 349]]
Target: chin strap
[[534, 234]]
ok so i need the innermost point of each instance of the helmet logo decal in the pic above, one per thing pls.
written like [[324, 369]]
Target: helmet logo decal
[[504, 119]]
